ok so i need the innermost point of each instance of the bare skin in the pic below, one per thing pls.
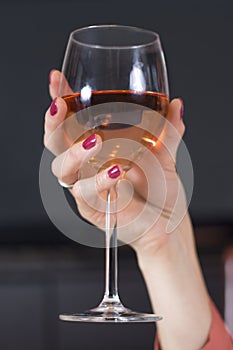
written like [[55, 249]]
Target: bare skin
[[168, 262]]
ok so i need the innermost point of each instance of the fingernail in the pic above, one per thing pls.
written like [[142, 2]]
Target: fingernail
[[89, 142], [181, 109], [53, 107], [114, 172], [50, 75]]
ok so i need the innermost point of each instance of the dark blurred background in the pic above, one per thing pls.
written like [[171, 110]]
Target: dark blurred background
[[41, 271]]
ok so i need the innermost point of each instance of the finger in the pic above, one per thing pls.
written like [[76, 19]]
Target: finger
[[66, 166], [54, 117], [88, 192], [58, 84], [173, 131]]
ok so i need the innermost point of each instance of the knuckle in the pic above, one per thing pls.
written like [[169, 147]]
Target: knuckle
[[77, 192], [72, 154], [99, 182], [45, 140], [48, 145], [59, 169], [83, 213], [48, 119], [54, 168]]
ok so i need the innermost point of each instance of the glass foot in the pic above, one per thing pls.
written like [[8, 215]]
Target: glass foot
[[110, 314]]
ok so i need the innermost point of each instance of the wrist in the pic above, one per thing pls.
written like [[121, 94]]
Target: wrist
[[160, 248], [176, 287]]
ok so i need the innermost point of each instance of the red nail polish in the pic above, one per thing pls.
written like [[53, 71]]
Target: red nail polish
[[53, 107], [114, 172], [89, 142], [181, 109]]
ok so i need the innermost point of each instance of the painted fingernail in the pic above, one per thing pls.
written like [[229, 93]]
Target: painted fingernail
[[53, 107], [114, 172], [89, 142], [181, 109]]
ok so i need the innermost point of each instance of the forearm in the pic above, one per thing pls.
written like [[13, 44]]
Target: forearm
[[177, 291]]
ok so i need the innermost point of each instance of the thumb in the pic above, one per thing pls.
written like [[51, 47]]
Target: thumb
[[173, 130]]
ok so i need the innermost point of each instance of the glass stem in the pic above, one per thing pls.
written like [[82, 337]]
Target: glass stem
[[111, 292]]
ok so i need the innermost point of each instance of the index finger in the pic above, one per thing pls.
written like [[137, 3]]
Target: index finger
[[57, 81]]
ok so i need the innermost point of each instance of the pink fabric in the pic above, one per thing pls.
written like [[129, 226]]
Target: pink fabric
[[219, 337]]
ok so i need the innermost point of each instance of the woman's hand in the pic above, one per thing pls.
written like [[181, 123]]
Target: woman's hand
[[168, 261], [146, 216]]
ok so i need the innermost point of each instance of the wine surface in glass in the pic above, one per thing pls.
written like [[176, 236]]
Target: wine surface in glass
[[124, 131]]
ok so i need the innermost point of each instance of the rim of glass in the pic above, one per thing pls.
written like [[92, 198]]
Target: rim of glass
[[136, 29]]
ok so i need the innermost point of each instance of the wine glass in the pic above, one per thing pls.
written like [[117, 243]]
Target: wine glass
[[112, 77]]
